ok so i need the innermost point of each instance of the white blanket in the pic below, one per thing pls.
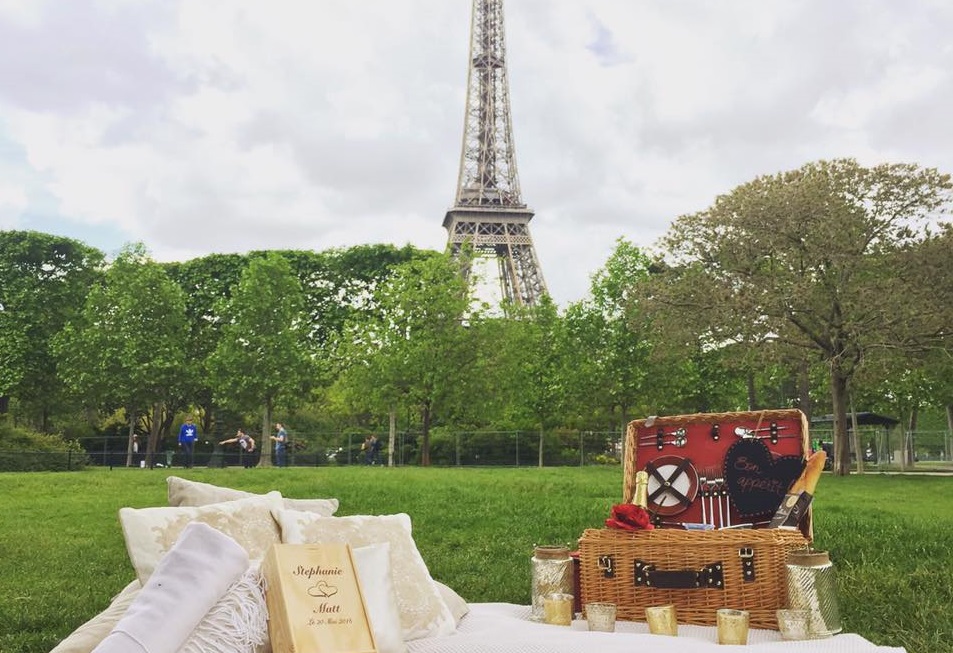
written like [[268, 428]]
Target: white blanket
[[506, 628]]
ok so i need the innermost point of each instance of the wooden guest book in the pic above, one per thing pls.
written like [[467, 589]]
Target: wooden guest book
[[314, 598]]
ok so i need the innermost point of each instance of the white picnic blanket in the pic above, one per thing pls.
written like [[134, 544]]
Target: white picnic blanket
[[506, 628]]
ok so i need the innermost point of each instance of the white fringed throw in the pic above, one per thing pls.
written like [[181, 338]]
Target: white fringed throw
[[191, 578], [238, 623]]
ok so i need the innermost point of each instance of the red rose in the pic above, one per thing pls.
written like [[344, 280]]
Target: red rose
[[629, 517]]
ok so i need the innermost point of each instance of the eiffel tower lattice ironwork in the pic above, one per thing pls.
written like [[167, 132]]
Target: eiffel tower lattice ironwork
[[489, 215]]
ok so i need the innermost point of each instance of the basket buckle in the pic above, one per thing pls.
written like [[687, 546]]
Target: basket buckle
[[746, 553], [607, 567]]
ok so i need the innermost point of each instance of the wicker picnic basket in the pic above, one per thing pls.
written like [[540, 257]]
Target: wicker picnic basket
[[697, 571]]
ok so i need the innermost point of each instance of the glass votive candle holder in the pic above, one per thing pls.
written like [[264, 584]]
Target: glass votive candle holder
[[794, 624], [732, 626], [662, 619], [557, 609], [601, 617]]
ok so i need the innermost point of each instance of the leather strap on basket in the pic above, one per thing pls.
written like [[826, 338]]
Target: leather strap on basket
[[708, 577]]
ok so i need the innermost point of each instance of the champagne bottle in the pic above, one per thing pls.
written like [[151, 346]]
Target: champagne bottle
[[641, 495]]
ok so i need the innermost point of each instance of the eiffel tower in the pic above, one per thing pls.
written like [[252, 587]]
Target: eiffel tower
[[489, 216]]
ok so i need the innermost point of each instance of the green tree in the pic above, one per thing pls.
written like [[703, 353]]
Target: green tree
[[127, 349], [416, 346], [340, 283], [818, 259], [540, 348], [262, 358], [611, 359], [44, 280], [207, 282]]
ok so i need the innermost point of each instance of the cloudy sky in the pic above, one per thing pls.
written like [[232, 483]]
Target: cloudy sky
[[200, 126]]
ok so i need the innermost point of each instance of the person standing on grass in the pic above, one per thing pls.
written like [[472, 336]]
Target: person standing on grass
[[188, 434], [247, 445], [375, 450], [366, 448], [281, 445]]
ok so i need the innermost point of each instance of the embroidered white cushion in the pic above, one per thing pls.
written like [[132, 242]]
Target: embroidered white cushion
[[151, 532], [183, 492], [423, 612], [457, 604]]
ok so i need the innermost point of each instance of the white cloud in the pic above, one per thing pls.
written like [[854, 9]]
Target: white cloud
[[13, 201], [230, 125]]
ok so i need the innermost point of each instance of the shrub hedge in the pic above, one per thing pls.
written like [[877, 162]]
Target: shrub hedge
[[23, 450]]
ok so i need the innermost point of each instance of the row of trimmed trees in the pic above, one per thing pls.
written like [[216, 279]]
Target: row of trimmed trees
[[818, 286]]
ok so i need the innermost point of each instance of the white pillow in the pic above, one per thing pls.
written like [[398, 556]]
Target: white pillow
[[457, 604], [377, 587], [423, 612], [151, 532], [183, 492]]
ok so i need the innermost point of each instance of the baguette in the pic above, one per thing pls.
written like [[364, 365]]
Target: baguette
[[807, 481]]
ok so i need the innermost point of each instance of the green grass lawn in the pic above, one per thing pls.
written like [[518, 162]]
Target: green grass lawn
[[62, 555]]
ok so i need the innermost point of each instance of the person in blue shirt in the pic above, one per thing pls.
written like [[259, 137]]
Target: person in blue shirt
[[188, 434], [281, 445]]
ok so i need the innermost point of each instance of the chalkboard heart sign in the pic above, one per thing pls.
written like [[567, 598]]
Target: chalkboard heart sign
[[756, 480]]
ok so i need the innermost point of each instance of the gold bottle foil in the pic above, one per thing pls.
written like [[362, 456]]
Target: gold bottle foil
[[640, 496], [552, 574], [811, 587]]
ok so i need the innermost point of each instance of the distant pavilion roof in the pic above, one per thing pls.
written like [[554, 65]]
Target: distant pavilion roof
[[863, 419]]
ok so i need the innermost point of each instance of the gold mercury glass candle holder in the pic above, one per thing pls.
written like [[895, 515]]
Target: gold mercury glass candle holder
[[732, 626], [557, 609], [794, 624], [552, 574], [662, 619], [601, 617]]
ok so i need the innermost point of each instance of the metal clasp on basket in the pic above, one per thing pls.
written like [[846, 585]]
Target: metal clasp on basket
[[607, 567], [746, 553]]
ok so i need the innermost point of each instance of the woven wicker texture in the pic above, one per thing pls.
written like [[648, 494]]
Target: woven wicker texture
[[671, 550]]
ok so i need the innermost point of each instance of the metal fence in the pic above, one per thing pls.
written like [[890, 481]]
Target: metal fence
[[880, 451], [501, 448]]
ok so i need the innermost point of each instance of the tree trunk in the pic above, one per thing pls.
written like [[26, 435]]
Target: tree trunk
[[155, 429], [839, 401], [541, 445], [391, 435], [855, 430], [752, 392], [132, 432], [425, 436], [908, 448], [948, 454], [804, 390], [625, 430], [264, 460]]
